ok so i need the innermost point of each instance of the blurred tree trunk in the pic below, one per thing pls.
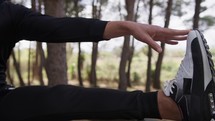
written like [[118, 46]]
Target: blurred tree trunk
[[126, 48], [41, 63], [16, 65], [96, 13], [56, 66], [132, 48], [149, 70], [29, 64], [33, 7], [40, 52], [80, 58], [38, 64], [93, 75], [80, 65], [10, 78], [19, 55], [161, 55], [196, 14], [130, 57]]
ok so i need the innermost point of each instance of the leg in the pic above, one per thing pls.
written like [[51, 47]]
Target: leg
[[168, 108], [66, 102]]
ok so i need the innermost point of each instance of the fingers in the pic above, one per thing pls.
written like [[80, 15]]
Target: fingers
[[178, 38], [165, 38], [152, 43], [150, 33], [175, 31]]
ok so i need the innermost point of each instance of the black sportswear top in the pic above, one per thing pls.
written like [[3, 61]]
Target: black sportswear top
[[20, 23]]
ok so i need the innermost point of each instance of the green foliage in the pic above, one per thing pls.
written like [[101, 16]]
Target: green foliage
[[104, 2], [145, 50], [71, 9], [136, 77], [72, 71], [117, 51], [170, 66], [161, 4], [177, 8], [207, 20]]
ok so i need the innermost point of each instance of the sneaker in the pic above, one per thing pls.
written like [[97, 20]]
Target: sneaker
[[193, 88]]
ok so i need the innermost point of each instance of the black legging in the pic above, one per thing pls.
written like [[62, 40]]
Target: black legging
[[66, 102]]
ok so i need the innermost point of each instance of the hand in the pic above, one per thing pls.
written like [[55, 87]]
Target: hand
[[145, 33], [151, 33]]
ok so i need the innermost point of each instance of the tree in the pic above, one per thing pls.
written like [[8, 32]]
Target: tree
[[17, 68], [196, 14], [73, 8], [96, 13], [132, 48], [39, 61], [56, 66], [29, 64], [161, 55], [126, 46], [9, 76], [149, 70], [80, 58]]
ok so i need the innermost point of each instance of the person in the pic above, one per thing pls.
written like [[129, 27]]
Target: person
[[188, 97]]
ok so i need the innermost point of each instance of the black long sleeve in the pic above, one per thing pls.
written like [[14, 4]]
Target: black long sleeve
[[20, 23]]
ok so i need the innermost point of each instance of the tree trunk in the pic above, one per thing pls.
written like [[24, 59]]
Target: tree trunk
[[161, 55], [96, 13], [56, 66], [93, 78], [41, 64], [123, 62], [156, 83], [19, 56], [132, 48], [16, 65], [196, 14], [123, 81], [29, 65], [10, 78], [80, 59], [80, 65], [149, 70], [131, 53], [39, 60]]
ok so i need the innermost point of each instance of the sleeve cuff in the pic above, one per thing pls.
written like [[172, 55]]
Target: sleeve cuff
[[97, 30]]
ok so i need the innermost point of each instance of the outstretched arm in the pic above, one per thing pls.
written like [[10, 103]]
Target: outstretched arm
[[29, 25], [145, 33]]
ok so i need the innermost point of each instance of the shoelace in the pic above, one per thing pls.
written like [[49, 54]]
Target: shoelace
[[168, 86]]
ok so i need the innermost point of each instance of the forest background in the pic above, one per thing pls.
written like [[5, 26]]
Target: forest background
[[106, 61], [122, 63]]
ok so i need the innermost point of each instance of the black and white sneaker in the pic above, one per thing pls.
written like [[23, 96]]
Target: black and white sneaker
[[193, 88]]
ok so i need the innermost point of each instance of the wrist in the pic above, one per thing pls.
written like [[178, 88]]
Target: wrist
[[118, 28]]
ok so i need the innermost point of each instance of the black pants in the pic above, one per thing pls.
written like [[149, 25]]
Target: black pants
[[66, 102]]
